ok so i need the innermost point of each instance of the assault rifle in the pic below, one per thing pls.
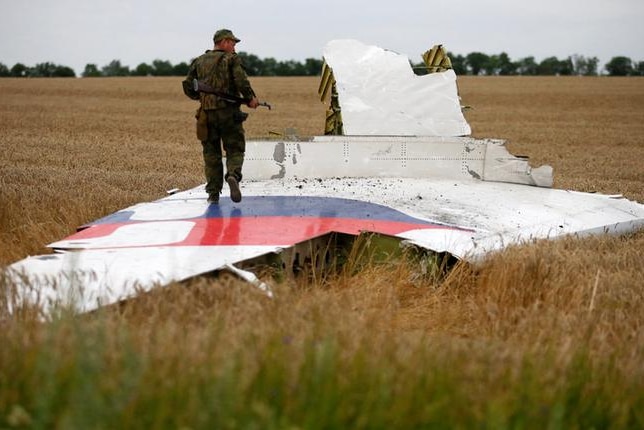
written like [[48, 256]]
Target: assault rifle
[[205, 88]]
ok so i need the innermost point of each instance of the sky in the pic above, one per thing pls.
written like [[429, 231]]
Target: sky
[[77, 32]]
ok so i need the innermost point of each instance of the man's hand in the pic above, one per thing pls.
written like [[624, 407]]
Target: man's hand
[[253, 103]]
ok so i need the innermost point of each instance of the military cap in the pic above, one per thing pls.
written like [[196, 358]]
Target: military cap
[[224, 34]]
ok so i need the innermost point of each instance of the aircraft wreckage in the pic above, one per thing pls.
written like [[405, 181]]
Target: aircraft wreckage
[[396, 161]]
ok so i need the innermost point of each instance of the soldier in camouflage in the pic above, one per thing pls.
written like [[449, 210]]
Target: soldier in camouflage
[[220, 120]]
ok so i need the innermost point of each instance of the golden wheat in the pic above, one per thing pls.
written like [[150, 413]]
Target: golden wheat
[[78, 149]]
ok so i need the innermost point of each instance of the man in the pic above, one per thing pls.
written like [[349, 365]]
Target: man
[[219, 119]]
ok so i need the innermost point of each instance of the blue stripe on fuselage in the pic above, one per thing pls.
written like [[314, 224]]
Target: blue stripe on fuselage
[[289, 206]]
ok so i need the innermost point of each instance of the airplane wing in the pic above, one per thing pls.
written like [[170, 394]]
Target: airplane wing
[[300, 191], [403, 170]]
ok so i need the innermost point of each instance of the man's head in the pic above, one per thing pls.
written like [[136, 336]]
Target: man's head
[[224, 34], [225, 39]]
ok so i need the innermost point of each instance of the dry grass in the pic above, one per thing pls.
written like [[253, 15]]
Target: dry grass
[[549, 334], [589, 130]]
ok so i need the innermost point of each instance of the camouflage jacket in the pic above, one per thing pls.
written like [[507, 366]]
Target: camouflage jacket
[[224, 72]]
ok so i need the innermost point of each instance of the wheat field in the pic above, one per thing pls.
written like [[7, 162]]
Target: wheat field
[[546, 335]]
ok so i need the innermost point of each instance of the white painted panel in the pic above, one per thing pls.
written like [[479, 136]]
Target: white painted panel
[[391, 156], [151, 233], [92, 278], [379, 94]]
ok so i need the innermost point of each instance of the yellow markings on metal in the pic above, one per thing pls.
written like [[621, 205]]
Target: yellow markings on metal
[[333, 122], [326, 82], [436, 59]]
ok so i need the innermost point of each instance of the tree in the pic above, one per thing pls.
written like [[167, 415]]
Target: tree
[[565, 67], [115, 69], [499, 65], [639, 68], [269, 67], [619, 66], [19, 70], [527, 66], [506, 66], [4, 71], [548, 66], [42, 70], [51, 70], [491, 66], [91, 71], [142, 69], [64, 72], [162, 68], [476, 61], [252, 64], [289, 68], [583, 66], [313, 66], [459, 64], [591, 66], [181, 69]]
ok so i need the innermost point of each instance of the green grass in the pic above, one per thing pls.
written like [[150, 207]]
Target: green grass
[[219, 354]]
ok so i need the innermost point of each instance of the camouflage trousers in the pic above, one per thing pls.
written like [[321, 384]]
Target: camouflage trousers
[[224, 127]]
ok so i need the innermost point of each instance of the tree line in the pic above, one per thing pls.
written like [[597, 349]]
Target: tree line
[[478, 63], [474, 63]]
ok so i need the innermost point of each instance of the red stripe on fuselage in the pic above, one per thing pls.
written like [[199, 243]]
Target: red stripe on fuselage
[[265, 230]]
